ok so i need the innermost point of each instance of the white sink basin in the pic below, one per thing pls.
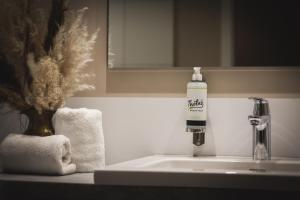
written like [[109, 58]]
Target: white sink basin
[[220, 164], [225, 172]]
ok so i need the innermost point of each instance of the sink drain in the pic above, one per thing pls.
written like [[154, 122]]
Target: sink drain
[[198, 169], [257, 170]]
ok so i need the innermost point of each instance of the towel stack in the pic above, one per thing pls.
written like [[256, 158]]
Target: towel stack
[[78, 146], [34, 154], [84, 128]]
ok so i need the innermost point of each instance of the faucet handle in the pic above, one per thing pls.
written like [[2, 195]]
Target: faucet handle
[[261, 106], [258, 99]]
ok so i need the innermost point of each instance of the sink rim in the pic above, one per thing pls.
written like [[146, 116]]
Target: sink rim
[[147, 164], [128, 174]]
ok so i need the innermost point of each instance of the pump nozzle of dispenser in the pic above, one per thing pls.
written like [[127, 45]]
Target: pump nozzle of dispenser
[[197, 76]]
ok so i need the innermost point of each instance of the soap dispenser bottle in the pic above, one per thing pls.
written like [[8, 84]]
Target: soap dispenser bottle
[[197, 107]]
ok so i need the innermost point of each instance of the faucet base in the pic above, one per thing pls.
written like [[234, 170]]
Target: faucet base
[[197, 151], [260, 152], [198, 138], [198, 141]]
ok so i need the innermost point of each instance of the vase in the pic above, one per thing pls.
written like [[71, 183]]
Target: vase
[[39, 124]]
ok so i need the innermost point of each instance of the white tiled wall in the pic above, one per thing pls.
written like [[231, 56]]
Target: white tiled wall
[[136, 127]]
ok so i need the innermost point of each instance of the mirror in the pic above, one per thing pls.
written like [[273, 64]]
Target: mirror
[[218, 33]]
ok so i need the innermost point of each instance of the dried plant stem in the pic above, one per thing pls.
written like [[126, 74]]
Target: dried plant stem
[[13, 99], [56, 19]]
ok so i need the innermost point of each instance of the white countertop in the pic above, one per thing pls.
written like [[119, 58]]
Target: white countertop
[[181, 171]]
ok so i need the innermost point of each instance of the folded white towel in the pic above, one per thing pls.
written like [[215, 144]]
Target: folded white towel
[[84, 128], [34, 154]]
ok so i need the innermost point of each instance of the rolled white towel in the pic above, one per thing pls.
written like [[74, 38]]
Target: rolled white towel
[[34, 154], [84, 128]]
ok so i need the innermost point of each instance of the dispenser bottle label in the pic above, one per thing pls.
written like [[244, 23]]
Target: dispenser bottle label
[[197, 104]]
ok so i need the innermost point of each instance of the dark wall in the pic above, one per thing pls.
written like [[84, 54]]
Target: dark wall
[[267, 33]]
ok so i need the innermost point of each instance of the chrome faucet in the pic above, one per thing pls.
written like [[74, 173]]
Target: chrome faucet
[[261, 122]]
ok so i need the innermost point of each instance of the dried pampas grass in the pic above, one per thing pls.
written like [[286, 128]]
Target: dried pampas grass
[[45, 92], [72, 51], [42, 62]]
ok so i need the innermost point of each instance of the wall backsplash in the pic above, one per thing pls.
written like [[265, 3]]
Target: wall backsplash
[[140, 126]]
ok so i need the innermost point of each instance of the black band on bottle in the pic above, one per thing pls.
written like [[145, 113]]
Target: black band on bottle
[[195, 123]]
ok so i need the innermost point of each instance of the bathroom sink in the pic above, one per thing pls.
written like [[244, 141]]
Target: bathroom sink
[[186, 171]]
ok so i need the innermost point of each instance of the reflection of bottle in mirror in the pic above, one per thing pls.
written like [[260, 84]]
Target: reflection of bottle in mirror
[[196, 103]]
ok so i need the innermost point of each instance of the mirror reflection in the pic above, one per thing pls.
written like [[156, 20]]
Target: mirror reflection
[[181, 33]]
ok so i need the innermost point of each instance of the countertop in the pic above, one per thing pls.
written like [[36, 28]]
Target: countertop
[[81, 186], [77, 178]]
